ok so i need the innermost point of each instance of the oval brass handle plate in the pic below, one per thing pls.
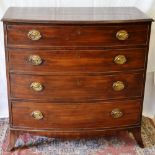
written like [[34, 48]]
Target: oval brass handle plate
[[118, 86], [116, 113], [37, 115], [35, 60], [120, 59], [36, 86], [34, 35], [122, 35]]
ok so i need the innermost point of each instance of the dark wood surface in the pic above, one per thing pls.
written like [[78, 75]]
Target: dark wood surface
[[76, 88], [69, 116], [75, 15], [76, 61], [137, 135], [77, 35], [78, 47]]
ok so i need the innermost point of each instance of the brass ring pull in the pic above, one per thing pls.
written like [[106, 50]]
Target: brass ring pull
[[35, 60], [122, 35], [116, 113], [120, 59], [36, 86], [37, 115], [118, 86], [34, 35]]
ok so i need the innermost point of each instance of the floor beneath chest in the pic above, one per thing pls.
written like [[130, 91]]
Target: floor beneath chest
[[122, 144]]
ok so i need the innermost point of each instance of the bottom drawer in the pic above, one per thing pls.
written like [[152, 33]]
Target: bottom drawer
[[76, 115]]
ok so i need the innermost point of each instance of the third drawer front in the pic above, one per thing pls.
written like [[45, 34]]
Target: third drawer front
[[76, 61], [64, 88], [76, 115]]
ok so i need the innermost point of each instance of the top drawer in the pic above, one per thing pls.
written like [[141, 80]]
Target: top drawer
[[77, 35]]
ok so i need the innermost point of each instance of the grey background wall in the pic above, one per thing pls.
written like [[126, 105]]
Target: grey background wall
[[147, 6]]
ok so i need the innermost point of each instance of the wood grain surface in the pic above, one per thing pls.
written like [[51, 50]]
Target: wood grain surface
[[75, 15], [68, 35], [76, 88], [96, 115], [76, 61], [77, 48]]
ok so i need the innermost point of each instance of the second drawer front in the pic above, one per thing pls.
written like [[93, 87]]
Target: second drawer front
[[64, 88], [76, 61], [76, 115]]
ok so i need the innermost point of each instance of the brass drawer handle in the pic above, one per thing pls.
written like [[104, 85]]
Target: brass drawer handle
[[36, 86], [116, 113], [120, 59], [118, 86], [35, 60], [34, 35], [37, 115], [122, 35]]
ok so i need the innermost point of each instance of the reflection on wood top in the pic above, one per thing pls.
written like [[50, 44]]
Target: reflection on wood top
[[74, 15]]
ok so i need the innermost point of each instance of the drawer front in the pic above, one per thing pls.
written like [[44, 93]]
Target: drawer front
[[76, 61], [64, 88], [76, 115], [67, 35]]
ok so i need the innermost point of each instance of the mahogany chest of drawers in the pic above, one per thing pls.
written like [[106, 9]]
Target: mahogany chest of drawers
[[76, 72]]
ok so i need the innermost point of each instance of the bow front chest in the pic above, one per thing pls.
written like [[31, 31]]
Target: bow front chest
[[75, 72]]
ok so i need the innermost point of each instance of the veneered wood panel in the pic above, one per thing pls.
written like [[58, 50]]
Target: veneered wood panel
[[76, 61], [75, 15], [76, 115], [76, 88], [75, 103], [68, 35]]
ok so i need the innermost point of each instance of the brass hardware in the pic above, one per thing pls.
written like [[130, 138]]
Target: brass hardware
[[122, 35], [37, 115], [120, 59], [118, 86], [34, 35], [35, 60], [116, 113], [36, 86]]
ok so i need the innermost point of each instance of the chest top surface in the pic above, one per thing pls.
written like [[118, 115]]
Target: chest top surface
[[75, 15]]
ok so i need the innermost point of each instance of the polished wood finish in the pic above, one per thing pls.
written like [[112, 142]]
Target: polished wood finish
[[63, 77], [70, 116], [75, 88], [76, 61], [81, 15], [13, 135], [68, 35], [137, 135]]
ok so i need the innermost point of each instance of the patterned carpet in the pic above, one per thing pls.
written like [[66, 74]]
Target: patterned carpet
[[122, 144]]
